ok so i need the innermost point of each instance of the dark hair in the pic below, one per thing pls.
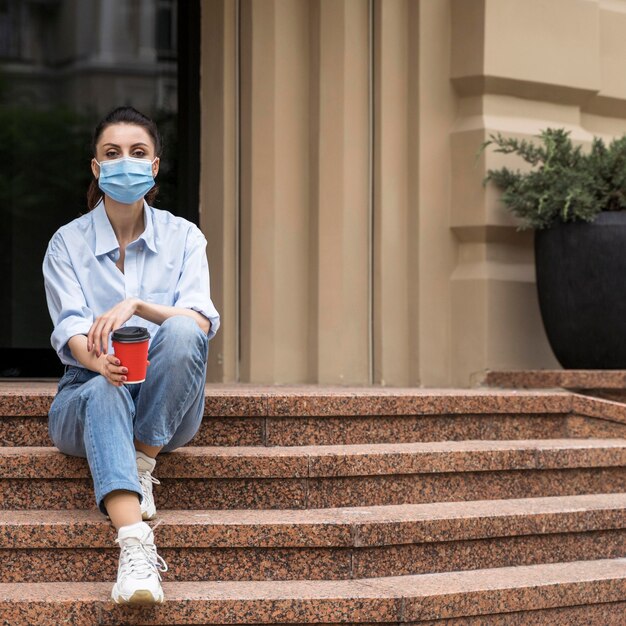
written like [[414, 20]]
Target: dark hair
[[123, 115]]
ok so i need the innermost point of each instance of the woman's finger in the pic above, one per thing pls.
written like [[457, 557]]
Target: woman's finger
[[97, 331], [114, 377], [119, 372], [92, 334], [115, 365], [104, 337]]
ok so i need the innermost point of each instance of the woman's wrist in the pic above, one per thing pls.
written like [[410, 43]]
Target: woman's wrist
[[137, 305]]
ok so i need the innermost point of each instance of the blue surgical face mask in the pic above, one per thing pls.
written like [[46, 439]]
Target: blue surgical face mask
[[126, 179]]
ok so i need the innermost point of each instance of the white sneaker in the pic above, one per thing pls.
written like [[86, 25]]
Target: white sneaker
[[138, 574], [145, 467]]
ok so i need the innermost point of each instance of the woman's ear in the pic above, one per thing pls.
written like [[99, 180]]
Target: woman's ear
[[155, 166], [95, 168]]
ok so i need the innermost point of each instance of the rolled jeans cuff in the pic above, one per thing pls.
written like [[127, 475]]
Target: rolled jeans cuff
[[119, 485]]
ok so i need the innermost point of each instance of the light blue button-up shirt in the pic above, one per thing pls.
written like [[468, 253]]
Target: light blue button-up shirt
[[166, 264]]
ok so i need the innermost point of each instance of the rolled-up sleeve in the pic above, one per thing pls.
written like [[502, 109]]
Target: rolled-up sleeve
[[66, 301], [193, 290]]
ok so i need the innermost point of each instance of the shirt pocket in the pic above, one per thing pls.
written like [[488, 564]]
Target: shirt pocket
[[159, 297]]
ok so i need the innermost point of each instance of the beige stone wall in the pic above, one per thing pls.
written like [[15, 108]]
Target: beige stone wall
[[519, 67], [350, 238]]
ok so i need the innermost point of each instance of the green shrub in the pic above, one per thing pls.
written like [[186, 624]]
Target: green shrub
[[565, 183]]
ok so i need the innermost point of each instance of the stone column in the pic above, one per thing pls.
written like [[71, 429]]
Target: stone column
[[395, 236], [275, 196], [219, 209], [340, 192]]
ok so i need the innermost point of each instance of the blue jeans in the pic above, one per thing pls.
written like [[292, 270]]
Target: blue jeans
[[92, 418]]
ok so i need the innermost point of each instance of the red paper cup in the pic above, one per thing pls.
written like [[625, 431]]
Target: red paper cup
[[131, 348]]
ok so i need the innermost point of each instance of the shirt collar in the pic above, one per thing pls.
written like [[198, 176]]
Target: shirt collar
[[148, 233], [106, 241]]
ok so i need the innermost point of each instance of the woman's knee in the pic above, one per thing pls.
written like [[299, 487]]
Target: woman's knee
[[99, 392], [182, 332], [181, 326]]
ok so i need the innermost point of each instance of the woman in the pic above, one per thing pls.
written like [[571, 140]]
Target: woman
[[127, 264]]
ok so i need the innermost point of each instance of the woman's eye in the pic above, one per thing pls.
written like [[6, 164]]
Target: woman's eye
[[139, 154], [111, 154]]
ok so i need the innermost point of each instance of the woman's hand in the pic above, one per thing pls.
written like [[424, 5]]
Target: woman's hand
[[103, 326], [112, 370]]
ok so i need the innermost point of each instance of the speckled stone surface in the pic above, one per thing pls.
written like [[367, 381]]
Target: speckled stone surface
[[606, 614], [348, 430], [392, 600], [446, 556], [265, 493], [33, 399], [268, 464], [46, 493], [326, 492], [325, 430], [339, 460], [187, 564], [338, 527], [317, 430], [310, 415], [230, 431], [333, 544], [548, 379], [197, 564], [24, 431], [510, 590], [392, 401], [615, 395], [598, 407], [446, 487], [588, 427]]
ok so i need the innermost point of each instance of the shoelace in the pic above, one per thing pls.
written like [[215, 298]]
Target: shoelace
[[141, 559], [145, 478]]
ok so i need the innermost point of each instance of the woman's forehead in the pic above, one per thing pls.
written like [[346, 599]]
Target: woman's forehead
[[125, 135]]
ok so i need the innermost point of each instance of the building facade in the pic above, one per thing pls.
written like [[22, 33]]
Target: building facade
[[351, 240], [350, 237]]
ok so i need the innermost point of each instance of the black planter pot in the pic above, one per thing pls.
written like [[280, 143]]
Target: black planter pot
[[581, 280]]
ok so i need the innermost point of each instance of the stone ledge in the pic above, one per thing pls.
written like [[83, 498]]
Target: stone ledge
[[356, 460], [32, 398], [359, 527], [550, 379], [393, 599]]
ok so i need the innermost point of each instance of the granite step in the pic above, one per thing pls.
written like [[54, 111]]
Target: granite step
[[245, 415], [298, 477], [358, 542], [614, 380], [582, 587], [354, 429]]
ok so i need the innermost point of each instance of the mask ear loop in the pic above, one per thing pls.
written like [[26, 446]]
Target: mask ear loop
[[99, 168]]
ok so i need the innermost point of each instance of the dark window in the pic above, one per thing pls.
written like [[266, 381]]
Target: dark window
[[10, 28], [63, 65], [166, 33]]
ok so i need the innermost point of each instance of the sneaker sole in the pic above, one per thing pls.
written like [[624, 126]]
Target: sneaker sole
[[141, 596]]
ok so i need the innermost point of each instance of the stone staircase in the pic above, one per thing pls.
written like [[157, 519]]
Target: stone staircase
[[337, 506]]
